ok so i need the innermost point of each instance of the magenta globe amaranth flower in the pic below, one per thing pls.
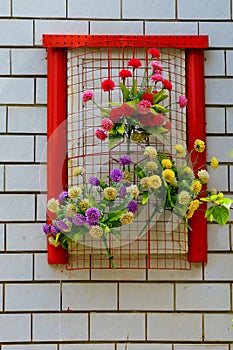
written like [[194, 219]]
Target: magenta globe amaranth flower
[[125, 160], [94, 181], [116, 175], [183, 101], [93, 215], [88, 95], [132, 207]]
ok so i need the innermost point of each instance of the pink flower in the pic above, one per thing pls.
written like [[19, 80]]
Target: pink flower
[[100, 134], [144, 106], [87, 95], [156, 65], [167, 85], [182, 101], [107, 124], [154, 52], [167, 126], [157, 77], [108, 85], [134, 62], [125, 73]]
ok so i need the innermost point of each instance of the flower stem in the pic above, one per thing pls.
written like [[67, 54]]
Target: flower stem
[[110, 257]]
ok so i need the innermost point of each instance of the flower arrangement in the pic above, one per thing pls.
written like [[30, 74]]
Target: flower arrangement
[[142, 112]]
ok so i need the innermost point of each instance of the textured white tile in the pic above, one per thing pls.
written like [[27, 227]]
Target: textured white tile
[[224, 88], [16, 148], [218, 178], [148, 9], [15, 267], [122, 275], [84, 9], [27, 119], [16, 90], [168, 28], [29, 61], [216, 327], [15, 328], [201, 347], [16, 32], [218, 237], [17, 207], [87, 347], [29, 178], [223, 154], [220, 33], [115, 27], [4, 59], [2, 178], [25, 237], [207, 9], [29, 347], [39, 8], [229, 59], [5, 8], [41, 149], [219, 267], [41, 90], [214, 62], [194, 274], [229, 112], [215, 118], [2, 238]]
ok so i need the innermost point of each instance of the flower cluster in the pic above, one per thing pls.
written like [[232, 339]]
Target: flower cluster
[[142, 112]]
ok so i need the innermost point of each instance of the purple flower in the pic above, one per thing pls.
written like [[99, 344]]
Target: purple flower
[[132, 207], [79, 219], [116, 175], [54, 230], [123, 192], [62, 225], [46, 229], [62, 197], [94, 181], [125, 160], [93, 215]]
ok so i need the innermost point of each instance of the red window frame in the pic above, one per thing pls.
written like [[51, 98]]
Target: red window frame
[[57, 46]]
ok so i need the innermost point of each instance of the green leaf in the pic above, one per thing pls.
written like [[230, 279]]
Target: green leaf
[[156, 131], [139, 172], [103, 185], [160, 109], [226, 202], [158, 96], [113, 141], [105, 112], [125, 91], [134, 87], [133, 103], [145, 197], [221, 215], [121, 128], [115, 215]]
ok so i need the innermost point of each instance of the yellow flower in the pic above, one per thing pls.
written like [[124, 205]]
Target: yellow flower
[[213, 191], [196, 186], [145, 183], [214, 163], [96, 231], [187, 170], [110, 193], [133, 190], [155, 181], [126, 218], [53, 205], [84, 205], [151, 166], [194, 205], [166, 163], [150, 151], [71, 209], [168, 175], [138, 137], [127, 176], [75, 192], [77, 171], [189, 214], [184, 197], [53, 242], [181, 152], [203, 176], [199, 146]]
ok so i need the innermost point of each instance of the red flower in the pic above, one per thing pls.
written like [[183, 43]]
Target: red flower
[[115, 114], [154, 52], [126, 110], [147, 96], [125, 73], [134, 62], [108, 85], [151, 119], [167, 126], [159, 119], [167, 85], [100, 134]]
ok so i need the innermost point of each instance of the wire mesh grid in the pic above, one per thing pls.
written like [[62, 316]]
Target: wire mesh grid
[[153, 240]]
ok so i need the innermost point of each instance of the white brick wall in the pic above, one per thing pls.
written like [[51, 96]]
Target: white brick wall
[[49, 307]]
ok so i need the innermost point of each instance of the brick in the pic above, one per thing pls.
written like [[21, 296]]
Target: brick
[[4, 60], [15, 328], [41, 207], [214, 63], [15, 267], [29, 347], [218, 177], [89, 10], [220, 33], [114, 27], [216, 327], [25, 237], [215, 118], [41, 90], [174, 326], [44, 271], [224, 87], [16, 33], [136, 296], [39, 8], [87, 347], [112, 326], [89, 296], [1, 178], [1, 297], [122, 275], [16, 90], [32, 297], [201, 347], [202, 297], [144, 346], [16, 148], [223, 154], [29, 178], [41, 149], [58, 27], [229, 112], [17, 207], [166, 28], [56, 327], [2, 237], [218, 237], [147, 9], [195, 274], [27, 120], [229, 58], [5, 8], [2, 119], [29, 61], [231, 178], [219, 267], [204, 10]]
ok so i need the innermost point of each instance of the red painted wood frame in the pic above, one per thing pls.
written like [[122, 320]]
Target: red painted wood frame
[[57, 46]]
